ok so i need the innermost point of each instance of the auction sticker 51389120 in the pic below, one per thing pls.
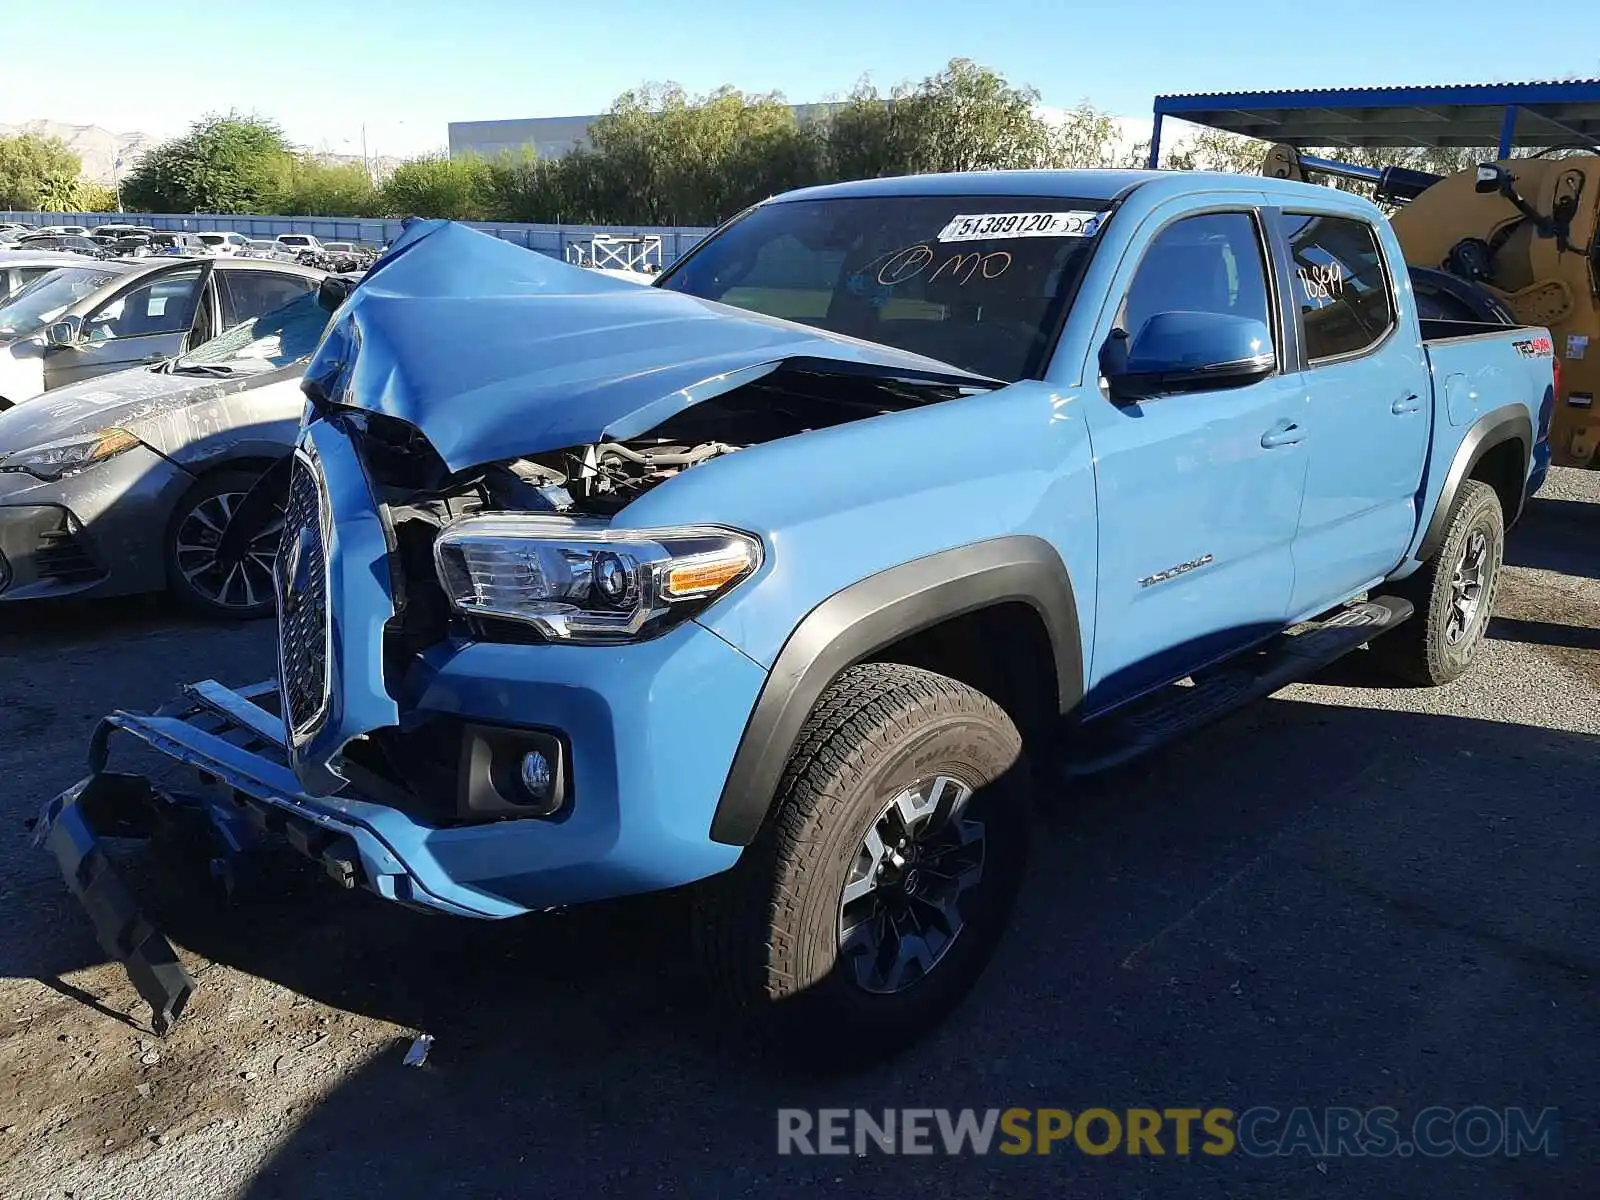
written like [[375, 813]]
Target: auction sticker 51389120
[[981, 226]]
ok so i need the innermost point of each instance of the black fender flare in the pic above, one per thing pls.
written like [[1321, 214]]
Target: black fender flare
[[1510, 422], [856, 622]]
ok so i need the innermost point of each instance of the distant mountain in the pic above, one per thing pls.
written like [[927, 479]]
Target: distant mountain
[[98, 148]]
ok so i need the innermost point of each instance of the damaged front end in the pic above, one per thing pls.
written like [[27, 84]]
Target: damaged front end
[[456, 543]]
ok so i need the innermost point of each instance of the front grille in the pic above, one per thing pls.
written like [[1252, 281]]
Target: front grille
[[303, 603], [60, 555]]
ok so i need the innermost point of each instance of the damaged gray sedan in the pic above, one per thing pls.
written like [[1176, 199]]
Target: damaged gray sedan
[[134, 482]]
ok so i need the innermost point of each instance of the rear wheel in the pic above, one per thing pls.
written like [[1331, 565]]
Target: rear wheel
[[1454, 594], [870, 903], [208, 575]]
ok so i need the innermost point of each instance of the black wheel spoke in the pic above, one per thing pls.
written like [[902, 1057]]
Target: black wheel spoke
[[900, 910]]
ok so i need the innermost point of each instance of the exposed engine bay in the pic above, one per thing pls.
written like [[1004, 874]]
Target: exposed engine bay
[[595, 480], [598, 479], [601, 478]]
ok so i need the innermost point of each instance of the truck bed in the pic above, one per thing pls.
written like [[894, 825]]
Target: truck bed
[[1436, 329]]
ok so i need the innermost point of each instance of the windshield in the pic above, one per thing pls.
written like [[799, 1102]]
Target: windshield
[[47, 297], [274, 339], [979, 282]]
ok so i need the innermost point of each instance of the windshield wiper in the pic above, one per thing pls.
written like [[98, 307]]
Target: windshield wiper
[[178, 368]]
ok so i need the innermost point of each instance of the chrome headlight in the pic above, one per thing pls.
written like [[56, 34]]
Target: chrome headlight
[[577, 580], [55, 460]]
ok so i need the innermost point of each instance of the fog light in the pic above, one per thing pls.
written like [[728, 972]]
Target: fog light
[[538, 776]]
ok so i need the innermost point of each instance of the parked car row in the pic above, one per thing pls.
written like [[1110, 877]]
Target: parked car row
[[121, 240]]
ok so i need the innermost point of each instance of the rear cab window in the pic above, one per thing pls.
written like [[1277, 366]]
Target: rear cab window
[[1341, 285], [979, 282]]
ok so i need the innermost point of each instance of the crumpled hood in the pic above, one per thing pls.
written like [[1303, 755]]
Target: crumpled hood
[[493, 351]]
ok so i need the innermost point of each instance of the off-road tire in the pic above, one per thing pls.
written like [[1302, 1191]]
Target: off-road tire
[[768, 931], [1419, 650]]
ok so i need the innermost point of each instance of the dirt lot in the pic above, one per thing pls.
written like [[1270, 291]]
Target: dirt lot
[[1342, 896]]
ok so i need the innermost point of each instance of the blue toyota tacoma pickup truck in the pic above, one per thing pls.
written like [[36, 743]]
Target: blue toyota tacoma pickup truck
[[783, 578]]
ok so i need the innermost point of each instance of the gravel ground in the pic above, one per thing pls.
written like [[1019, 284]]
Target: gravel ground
[[1344, 895]]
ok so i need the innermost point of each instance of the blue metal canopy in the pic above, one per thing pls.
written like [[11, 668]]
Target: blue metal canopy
[[1534, 115]]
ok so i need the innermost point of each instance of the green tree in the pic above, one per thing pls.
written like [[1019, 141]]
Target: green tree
[[965, 118], [93, 198], [1218, 150], [314, 188], [223, 164], [38, 174], [1084, 137], [662, 157], [435, 185]]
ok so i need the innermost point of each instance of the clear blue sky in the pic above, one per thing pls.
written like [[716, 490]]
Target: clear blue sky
[[415, 66]]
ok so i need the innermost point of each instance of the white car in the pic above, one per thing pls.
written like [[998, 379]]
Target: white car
[[296, 242], [223, 241], [73, 230]]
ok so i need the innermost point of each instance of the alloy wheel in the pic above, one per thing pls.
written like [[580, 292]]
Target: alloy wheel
[[243, 581], [901, 908], [1467, 587]]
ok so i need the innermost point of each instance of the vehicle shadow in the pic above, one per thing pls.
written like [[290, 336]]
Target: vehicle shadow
[[1545, 633], [1291, 909], [38, 624], [1557, 535]]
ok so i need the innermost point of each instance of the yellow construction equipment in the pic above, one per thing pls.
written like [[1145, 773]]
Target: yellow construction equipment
[[1526, 229]]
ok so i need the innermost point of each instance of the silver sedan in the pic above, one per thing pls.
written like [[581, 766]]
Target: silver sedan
[[80, 322], [134, 483]]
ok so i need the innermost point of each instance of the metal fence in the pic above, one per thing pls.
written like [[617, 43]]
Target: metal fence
[[547, 239]]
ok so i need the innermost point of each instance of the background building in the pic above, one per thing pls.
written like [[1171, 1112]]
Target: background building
[[551, 137]]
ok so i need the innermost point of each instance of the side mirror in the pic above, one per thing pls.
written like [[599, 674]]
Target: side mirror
[[1186, 352], [1492, 178], [333, 291], [65, 332]]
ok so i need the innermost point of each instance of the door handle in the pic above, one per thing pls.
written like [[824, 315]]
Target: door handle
[[1406, 404], [1284, 433]]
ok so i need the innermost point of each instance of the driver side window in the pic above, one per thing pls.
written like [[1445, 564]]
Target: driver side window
[[1210, 263], [166, 305]]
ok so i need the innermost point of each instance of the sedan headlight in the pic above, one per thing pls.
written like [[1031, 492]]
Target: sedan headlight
[[578, 580], [56, 460]]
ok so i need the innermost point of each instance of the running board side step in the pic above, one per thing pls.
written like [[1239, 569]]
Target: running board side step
[[1176, 711]]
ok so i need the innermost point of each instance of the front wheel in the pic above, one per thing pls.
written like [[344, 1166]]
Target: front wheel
[[871, 901], [218, 577], [1454, 594]]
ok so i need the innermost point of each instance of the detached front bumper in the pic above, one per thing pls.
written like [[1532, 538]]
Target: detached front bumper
[[647, 774], [241, 792]]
